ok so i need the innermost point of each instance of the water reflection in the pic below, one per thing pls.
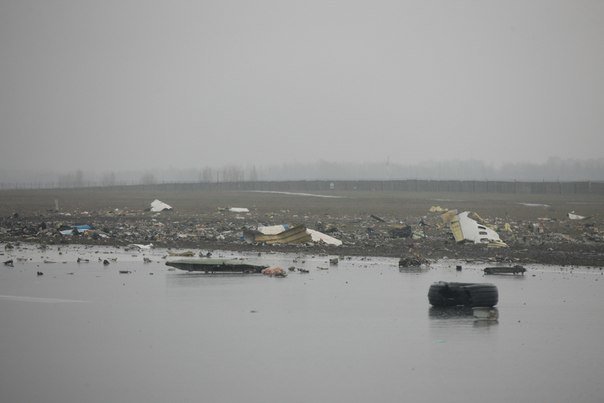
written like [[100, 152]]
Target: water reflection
[[462, 316], [450, 312], [414, 269], [192, 279]]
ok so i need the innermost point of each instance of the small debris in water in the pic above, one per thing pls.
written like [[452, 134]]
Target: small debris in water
[[274, 271]]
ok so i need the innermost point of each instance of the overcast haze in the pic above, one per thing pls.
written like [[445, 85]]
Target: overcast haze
[[127, 85]]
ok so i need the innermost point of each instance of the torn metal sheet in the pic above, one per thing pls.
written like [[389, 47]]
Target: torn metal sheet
[[468, 226], [321, 237], [574, 216], [157, 206], [296, 234]]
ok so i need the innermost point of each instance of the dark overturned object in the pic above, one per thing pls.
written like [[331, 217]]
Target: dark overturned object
[[400, 231], [216, 266], [413, 259], [517, 269], [465, 294]]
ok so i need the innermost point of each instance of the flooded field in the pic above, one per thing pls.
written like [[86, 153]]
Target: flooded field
[[359, 331]]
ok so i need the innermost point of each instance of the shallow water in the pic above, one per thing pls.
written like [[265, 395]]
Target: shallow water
[[360, 331]]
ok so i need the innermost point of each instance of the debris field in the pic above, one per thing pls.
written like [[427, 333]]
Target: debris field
[[415, 227]]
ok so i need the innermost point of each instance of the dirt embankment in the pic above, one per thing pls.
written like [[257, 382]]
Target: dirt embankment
[[538, 229]]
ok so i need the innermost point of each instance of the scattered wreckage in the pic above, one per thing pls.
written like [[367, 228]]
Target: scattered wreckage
[[365, 233], [283, 234]]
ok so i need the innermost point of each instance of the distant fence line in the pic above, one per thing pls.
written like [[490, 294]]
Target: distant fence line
[[413, 186], [410, 185]]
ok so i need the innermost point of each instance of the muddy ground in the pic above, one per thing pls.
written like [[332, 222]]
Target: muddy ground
[[541, 231]]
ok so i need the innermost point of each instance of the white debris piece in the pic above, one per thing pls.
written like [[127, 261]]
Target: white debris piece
[[465, 228], [321, 237], [157, 206], [535, 205], [273, 229], [239, 210], [138, 246], [574, 216]]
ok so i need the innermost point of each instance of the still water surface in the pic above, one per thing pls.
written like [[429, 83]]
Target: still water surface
[[360, 331]]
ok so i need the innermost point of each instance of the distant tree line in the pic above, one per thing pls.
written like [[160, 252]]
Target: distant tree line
[[554, 169]]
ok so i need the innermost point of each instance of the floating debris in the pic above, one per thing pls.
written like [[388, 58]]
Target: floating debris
[[517, 269], [216, 266]]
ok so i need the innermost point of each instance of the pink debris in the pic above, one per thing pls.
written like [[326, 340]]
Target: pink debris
[[275, 271]]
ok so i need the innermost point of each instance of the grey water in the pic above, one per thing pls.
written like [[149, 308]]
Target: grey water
[[360, 331]]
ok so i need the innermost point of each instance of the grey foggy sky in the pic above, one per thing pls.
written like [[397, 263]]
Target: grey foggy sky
[[110, 85]]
